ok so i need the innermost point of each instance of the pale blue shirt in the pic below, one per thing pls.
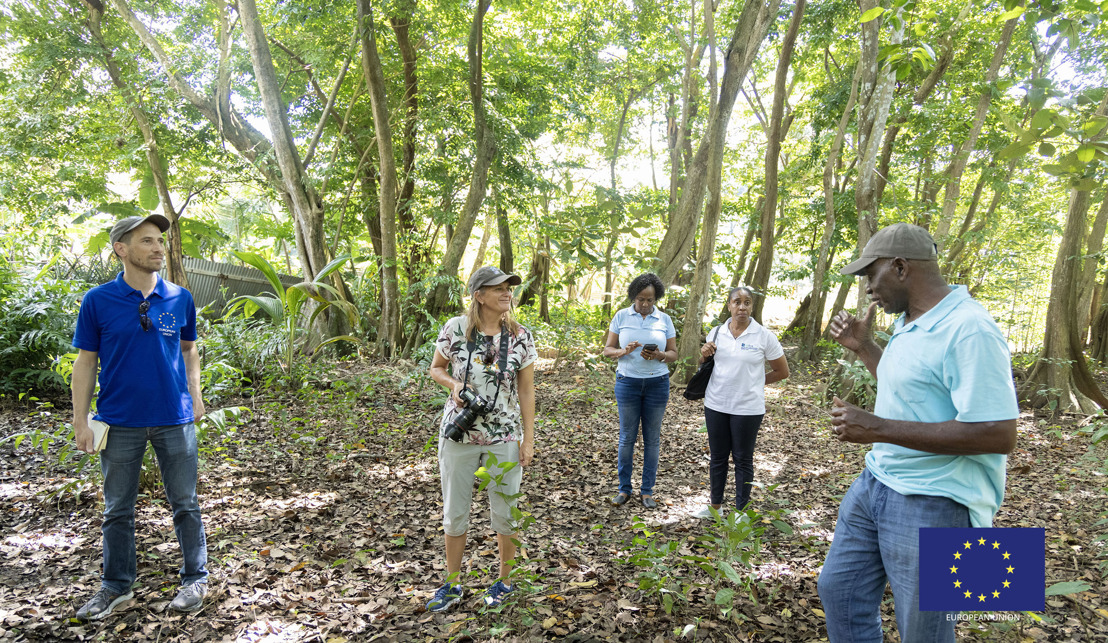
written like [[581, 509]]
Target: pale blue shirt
[[655, 328], [952, 363]]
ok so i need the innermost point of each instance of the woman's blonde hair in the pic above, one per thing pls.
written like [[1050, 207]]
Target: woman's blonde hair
[[473, 313]]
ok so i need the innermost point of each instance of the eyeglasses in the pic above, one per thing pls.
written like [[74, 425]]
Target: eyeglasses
[[144, 321]]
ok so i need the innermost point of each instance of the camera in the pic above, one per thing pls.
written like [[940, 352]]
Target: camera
[[476, 406]]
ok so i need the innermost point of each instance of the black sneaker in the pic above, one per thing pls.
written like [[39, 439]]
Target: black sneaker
[[445, 597], [101, 604]]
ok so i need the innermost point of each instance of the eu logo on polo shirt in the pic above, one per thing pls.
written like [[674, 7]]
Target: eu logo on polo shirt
[[142, 373]]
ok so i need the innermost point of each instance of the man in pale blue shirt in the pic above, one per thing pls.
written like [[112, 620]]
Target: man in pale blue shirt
[[943, 422]]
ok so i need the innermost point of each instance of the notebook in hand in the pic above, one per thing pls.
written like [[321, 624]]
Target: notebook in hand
[[99, 434]]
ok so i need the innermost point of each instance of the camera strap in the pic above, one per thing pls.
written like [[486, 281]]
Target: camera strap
[[502, 360]]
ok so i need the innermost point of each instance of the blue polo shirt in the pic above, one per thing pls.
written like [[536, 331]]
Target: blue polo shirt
[[952, 363], [655, 328], [142, 373]]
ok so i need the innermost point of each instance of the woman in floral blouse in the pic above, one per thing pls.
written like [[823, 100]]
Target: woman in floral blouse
[[489, 353]]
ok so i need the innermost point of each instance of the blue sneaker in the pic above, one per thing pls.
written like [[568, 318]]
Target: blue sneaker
[[446, 596], [495, 594]]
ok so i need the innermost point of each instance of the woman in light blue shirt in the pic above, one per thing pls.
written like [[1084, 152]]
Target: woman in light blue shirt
[[643, 340]]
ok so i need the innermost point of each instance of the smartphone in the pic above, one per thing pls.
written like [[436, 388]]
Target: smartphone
[[650, 347]]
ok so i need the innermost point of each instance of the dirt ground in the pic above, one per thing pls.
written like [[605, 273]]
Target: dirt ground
[[323, 515]]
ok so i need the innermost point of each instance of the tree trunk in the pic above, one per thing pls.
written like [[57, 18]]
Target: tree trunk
[[175, 267], [813, 326], [750, 30], [1099, 350], [957, 164], [389, 333], [1088, 277], [418, 252], [504, 233], [1060, 375], [537, 277], [484, 150], [486, 233], [840, 303], [875, 95], [774, 134]]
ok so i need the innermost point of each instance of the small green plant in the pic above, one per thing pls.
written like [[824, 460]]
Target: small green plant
[[287, 308], [37, 318]]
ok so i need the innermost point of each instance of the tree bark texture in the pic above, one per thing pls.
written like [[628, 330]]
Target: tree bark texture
[[1061, 374], [750, 30], [389, 332]]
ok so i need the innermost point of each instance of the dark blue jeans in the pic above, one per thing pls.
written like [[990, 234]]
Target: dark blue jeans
[[121, 463], [877, 541], [732, 437], [642, 401]]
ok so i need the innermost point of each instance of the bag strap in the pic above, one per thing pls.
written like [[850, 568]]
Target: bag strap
[[502, 359]]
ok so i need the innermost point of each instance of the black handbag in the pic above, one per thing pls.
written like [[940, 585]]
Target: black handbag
[[698, 383]]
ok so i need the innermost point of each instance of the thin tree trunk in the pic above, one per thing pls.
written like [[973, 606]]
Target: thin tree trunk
[[484, 152], [1088, 278], [750, 30], [504, 233], [389, 333], [813, 326], [486, 234], [775, 134], [418, 251]]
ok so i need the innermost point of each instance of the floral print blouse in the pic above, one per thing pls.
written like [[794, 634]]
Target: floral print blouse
[[505, 422]]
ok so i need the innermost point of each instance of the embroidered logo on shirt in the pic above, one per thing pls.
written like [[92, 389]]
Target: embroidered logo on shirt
[[167, 324]]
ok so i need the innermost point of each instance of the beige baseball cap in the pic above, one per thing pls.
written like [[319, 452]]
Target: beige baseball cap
[[902, 240]]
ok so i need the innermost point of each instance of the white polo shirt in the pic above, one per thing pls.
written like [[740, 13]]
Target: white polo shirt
[[738, 379]]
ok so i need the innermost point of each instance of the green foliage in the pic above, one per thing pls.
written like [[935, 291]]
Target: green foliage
[[288, 309], [572, 331], [37, 318]]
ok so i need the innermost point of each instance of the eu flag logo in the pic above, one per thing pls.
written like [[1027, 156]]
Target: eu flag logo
[[982, 570]]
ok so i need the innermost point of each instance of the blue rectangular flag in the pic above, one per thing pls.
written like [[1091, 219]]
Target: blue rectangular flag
[[982, 570]]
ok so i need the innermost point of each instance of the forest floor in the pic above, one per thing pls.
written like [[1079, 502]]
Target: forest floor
[[323, 515]]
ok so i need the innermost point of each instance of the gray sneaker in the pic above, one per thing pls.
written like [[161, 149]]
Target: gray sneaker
[[190, 598], [101, 604]]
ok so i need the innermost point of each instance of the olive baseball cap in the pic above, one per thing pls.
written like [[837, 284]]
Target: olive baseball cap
[[490, 276], [123, 226], [902, 240]]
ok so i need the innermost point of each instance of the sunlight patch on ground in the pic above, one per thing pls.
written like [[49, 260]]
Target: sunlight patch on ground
[[273, 631], [42, 540], [10, 490]]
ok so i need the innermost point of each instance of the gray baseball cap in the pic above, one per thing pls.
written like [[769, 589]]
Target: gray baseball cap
[[490, 276], [123, 226], [902, 240]]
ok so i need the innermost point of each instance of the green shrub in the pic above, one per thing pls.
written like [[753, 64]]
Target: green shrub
[[37, 318]]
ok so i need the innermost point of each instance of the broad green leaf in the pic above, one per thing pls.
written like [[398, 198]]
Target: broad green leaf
[[1012, 13], [1043, 119], [1085, 153], [1067, 587], [872, 14], [119, 209], [1014, 150], [727, 570], [1094, 126], [265, 268], [331, 267], [725, 596], [1046, 149], [148, 191]]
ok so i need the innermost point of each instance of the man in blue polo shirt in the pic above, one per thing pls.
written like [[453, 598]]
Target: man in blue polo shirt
[[943, 422], [141, 331]]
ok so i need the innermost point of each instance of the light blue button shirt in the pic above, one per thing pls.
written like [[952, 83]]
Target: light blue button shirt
[[952, 363], [655, 328]]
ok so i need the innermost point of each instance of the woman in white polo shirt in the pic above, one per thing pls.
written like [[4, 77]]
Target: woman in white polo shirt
[[735, 401]]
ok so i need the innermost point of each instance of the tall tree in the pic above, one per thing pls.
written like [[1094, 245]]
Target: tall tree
[[750, 29]]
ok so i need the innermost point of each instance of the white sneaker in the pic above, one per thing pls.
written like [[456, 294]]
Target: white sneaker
[[706, 512]]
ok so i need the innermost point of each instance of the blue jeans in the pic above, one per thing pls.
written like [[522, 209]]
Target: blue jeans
[[877, 540], [121, 463], [641, 401]]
